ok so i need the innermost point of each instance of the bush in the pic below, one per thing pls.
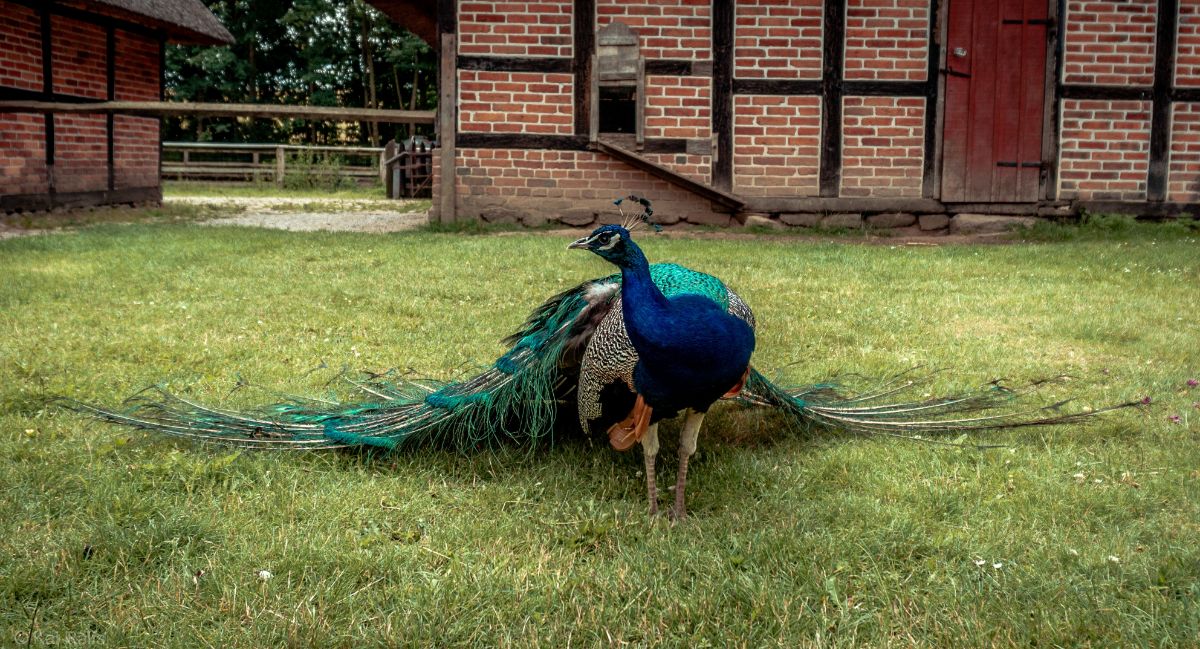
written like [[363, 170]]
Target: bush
[[306, 170]]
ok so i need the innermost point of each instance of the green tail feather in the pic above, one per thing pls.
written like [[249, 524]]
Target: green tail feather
[[514, 400], [884, 412]]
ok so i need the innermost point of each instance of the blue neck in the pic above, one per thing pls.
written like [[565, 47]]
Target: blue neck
[[642, 302]]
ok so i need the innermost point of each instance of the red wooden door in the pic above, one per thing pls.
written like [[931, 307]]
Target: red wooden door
[[995, 85]]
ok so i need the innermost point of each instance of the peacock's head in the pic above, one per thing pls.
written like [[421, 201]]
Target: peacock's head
[[612, 242]]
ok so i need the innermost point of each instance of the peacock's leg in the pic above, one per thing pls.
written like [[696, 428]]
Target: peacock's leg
[[650, 452], [687, 446]]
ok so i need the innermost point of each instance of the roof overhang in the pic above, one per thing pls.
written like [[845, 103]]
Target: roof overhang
[[417, 16], [184, 21]]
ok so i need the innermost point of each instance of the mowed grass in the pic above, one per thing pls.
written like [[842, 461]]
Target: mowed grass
[[1070, 536], [267, 189]]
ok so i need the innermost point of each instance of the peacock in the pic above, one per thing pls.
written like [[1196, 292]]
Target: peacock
[[621, 353]]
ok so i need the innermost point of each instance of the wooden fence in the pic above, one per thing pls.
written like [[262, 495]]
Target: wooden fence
[[268, 162], [405, 169], [408, 169]]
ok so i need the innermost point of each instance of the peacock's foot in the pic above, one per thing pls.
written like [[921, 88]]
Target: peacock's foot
[[629, 431]]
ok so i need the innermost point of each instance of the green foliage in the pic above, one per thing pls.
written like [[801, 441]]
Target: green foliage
[[306, 52], [189, 189], [315, 171], [113, 539], [1109, 227]]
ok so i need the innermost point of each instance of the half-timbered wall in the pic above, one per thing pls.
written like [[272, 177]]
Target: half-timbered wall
[[62, 54], [816, 105]]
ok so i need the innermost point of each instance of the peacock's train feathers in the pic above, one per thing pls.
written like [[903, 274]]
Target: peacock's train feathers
[[572, 357], [525, 393]]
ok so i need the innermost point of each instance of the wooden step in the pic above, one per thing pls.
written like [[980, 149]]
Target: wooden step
[[722, 198]]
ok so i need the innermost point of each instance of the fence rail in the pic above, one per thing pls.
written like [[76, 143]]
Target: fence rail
[[262, 162], [405, 170]]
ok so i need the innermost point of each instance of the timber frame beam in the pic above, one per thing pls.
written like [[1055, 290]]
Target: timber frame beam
[[160, 108]]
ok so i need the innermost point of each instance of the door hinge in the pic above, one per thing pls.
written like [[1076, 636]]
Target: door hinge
[[1023, 165], [955, 73]]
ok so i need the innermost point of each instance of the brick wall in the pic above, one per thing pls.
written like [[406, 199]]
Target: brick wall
[[135, 151], [21, 56], [135, 139], [883, 141], [80, 58], [1104, 151], [776, 145], [698, 167], [80, 153], [515, 102], [1110, 43], [1187, 60], [23, 154], [80, 69], [678, 107], [500, 184], [667, 29], [886, 39], [1103, 145], [777, 39], [1184, 184], [136, 67], [515, 28], [22, 146]]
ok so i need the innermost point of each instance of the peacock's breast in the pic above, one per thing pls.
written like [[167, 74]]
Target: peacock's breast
[[690, 354]]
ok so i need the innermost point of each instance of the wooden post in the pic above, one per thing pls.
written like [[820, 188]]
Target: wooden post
[[280, 162], [594, 104], [447, 127], [389, 152], [640, 127], [255, 162]]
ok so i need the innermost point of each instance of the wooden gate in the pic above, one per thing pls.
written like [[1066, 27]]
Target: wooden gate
[[995, 86]]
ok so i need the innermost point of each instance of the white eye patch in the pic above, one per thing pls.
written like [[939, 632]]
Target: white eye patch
[[613, 241]]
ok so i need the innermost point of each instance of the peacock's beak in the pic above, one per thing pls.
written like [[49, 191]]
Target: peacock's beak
[[580, 244]]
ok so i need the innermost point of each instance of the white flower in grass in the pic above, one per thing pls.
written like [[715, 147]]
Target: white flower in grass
[[980, 562], [264, 575], [1073, 552], [998, 565], [1114, 558]]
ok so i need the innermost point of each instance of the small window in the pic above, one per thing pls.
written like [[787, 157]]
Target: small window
[[618, 109]]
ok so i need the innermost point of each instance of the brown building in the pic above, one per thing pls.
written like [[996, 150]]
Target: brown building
[[797, 108], [79, 51]]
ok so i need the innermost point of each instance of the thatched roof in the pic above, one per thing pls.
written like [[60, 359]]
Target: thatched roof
[[184, 21]]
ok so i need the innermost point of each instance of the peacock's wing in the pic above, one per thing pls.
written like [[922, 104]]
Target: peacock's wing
[[606, 374], [606, 392]]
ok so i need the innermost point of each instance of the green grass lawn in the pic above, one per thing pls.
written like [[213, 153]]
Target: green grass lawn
[[178, 188], [1071, 536]]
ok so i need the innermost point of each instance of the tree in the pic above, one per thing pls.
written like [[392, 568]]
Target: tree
[[301, 52]]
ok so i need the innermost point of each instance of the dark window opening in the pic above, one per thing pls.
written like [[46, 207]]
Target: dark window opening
[[618, 109]]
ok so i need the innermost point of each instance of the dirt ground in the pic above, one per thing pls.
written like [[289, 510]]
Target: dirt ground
[[374, 216], [341, 215]]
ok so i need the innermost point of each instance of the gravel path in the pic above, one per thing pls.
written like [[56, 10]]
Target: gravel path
[[301, 215], [366, 221]]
